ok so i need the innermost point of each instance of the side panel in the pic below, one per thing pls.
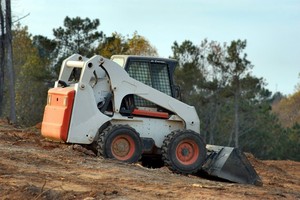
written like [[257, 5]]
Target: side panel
[[153, 128], [57, 113], [86, 118]]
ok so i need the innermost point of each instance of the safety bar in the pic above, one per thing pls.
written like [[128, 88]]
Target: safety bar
[[77, 64]]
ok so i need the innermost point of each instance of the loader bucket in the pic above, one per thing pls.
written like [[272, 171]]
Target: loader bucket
[[230, 164]]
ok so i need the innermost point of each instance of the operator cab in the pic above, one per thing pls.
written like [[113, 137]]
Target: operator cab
[[155, 72]]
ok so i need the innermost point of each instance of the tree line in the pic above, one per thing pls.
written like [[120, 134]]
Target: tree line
[[234, 106]]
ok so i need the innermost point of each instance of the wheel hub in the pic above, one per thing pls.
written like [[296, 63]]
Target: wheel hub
[[121, 147], [187, 152]]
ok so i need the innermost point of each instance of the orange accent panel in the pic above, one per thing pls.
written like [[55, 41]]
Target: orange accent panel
[[151, 113], [57, 115]]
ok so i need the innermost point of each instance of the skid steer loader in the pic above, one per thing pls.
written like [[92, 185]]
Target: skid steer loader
[[127, 107]]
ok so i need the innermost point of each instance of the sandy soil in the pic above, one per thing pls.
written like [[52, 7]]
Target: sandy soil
[[32, 167]]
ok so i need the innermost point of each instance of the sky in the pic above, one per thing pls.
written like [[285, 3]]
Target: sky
[[271, 27]]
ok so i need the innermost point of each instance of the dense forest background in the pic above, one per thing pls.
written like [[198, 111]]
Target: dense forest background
[[234, 106]]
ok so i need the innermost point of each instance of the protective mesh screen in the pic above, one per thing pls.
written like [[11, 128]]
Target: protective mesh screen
[[160, 78], [141, 72], [153, 74]]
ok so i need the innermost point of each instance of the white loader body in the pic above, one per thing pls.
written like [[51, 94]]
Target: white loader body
[[100, 76]]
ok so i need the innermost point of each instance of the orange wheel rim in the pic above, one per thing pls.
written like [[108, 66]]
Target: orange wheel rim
[[187, 152], [123, 147]]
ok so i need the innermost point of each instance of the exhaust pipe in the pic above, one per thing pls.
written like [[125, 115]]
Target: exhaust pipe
[[230, 164]]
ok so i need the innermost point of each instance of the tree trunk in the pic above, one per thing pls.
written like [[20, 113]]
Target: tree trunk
[[2, 56], [230, 138], [214, 120], [9, 63], [211, 128], [236, 121], [236, 113]]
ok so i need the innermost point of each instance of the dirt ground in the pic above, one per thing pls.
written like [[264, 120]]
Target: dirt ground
[[32, 167]]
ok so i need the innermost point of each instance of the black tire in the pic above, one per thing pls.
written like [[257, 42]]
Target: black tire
[[184, 151], [120, 142]]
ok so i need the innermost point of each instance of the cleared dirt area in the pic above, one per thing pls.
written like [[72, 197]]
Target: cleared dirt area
[[32, 167]]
